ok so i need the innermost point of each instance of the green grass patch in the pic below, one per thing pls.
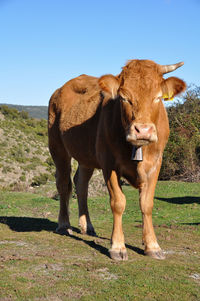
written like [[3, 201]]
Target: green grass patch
[[37, 264]]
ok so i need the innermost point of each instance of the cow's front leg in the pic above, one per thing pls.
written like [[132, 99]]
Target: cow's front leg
[[146, 190], [118, 203]]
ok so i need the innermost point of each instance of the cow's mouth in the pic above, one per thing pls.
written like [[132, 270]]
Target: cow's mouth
[[139, 142]]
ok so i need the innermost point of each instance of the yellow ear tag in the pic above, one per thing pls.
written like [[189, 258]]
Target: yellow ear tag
[[167, 97]]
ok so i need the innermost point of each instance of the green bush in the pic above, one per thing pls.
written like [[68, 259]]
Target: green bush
[[6, 169], [22, 178], [18, 154], [49, 161], [181, 159], [9, 112], [40, 180], [24, 114], [31, 166]]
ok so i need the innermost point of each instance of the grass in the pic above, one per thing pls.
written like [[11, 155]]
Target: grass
[[37, 264]]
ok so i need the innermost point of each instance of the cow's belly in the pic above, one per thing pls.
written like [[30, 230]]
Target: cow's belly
[[80, 144]]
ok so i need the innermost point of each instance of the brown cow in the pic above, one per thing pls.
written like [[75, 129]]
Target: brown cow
[[98, 121]]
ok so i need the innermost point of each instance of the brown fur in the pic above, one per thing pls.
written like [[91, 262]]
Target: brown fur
[[90, 120]]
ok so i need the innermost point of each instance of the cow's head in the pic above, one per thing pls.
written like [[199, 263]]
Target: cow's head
[[140, 88]]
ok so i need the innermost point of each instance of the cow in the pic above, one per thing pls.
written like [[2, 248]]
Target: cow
[[101, 122]]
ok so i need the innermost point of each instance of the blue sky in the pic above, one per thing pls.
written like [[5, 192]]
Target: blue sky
[[44, 43]]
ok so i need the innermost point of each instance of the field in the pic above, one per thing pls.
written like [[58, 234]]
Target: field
[[37, 264]]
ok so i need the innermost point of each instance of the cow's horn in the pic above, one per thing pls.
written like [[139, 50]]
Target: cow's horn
[[170, 68]]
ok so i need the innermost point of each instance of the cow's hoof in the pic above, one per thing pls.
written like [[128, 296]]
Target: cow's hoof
[[90, 231], [118, 255], [156, 254], [64, 231]]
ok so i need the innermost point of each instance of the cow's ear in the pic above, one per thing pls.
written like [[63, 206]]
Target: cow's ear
[[172, 86], [109, 84]]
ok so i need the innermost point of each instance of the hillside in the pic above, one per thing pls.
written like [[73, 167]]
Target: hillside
[[25, 162], [24, 155], [39, 112]]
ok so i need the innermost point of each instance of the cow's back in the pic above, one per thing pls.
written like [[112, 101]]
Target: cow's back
[[73, 117]]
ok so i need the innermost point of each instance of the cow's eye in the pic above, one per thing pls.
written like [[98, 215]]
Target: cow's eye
[[126, 101]]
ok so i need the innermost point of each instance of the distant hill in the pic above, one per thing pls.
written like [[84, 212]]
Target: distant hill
[[39, 112]]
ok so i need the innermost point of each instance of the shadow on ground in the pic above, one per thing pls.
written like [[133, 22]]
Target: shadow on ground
[[180, 200], [191, 224], [31, 224], [101, 249], [28, 224]]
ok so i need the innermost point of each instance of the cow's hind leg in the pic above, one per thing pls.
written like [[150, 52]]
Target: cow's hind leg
[[81, 180], [64, 186]]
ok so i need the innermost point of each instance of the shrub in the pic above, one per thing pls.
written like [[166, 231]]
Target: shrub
[[182, 154], [24, 114], [22, 178], [18, 155], [40, 180], [49, 161], [9, 112], [31, 166]]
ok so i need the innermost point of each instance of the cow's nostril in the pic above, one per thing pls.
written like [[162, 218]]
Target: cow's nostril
[[137, 129], [143, 130]]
